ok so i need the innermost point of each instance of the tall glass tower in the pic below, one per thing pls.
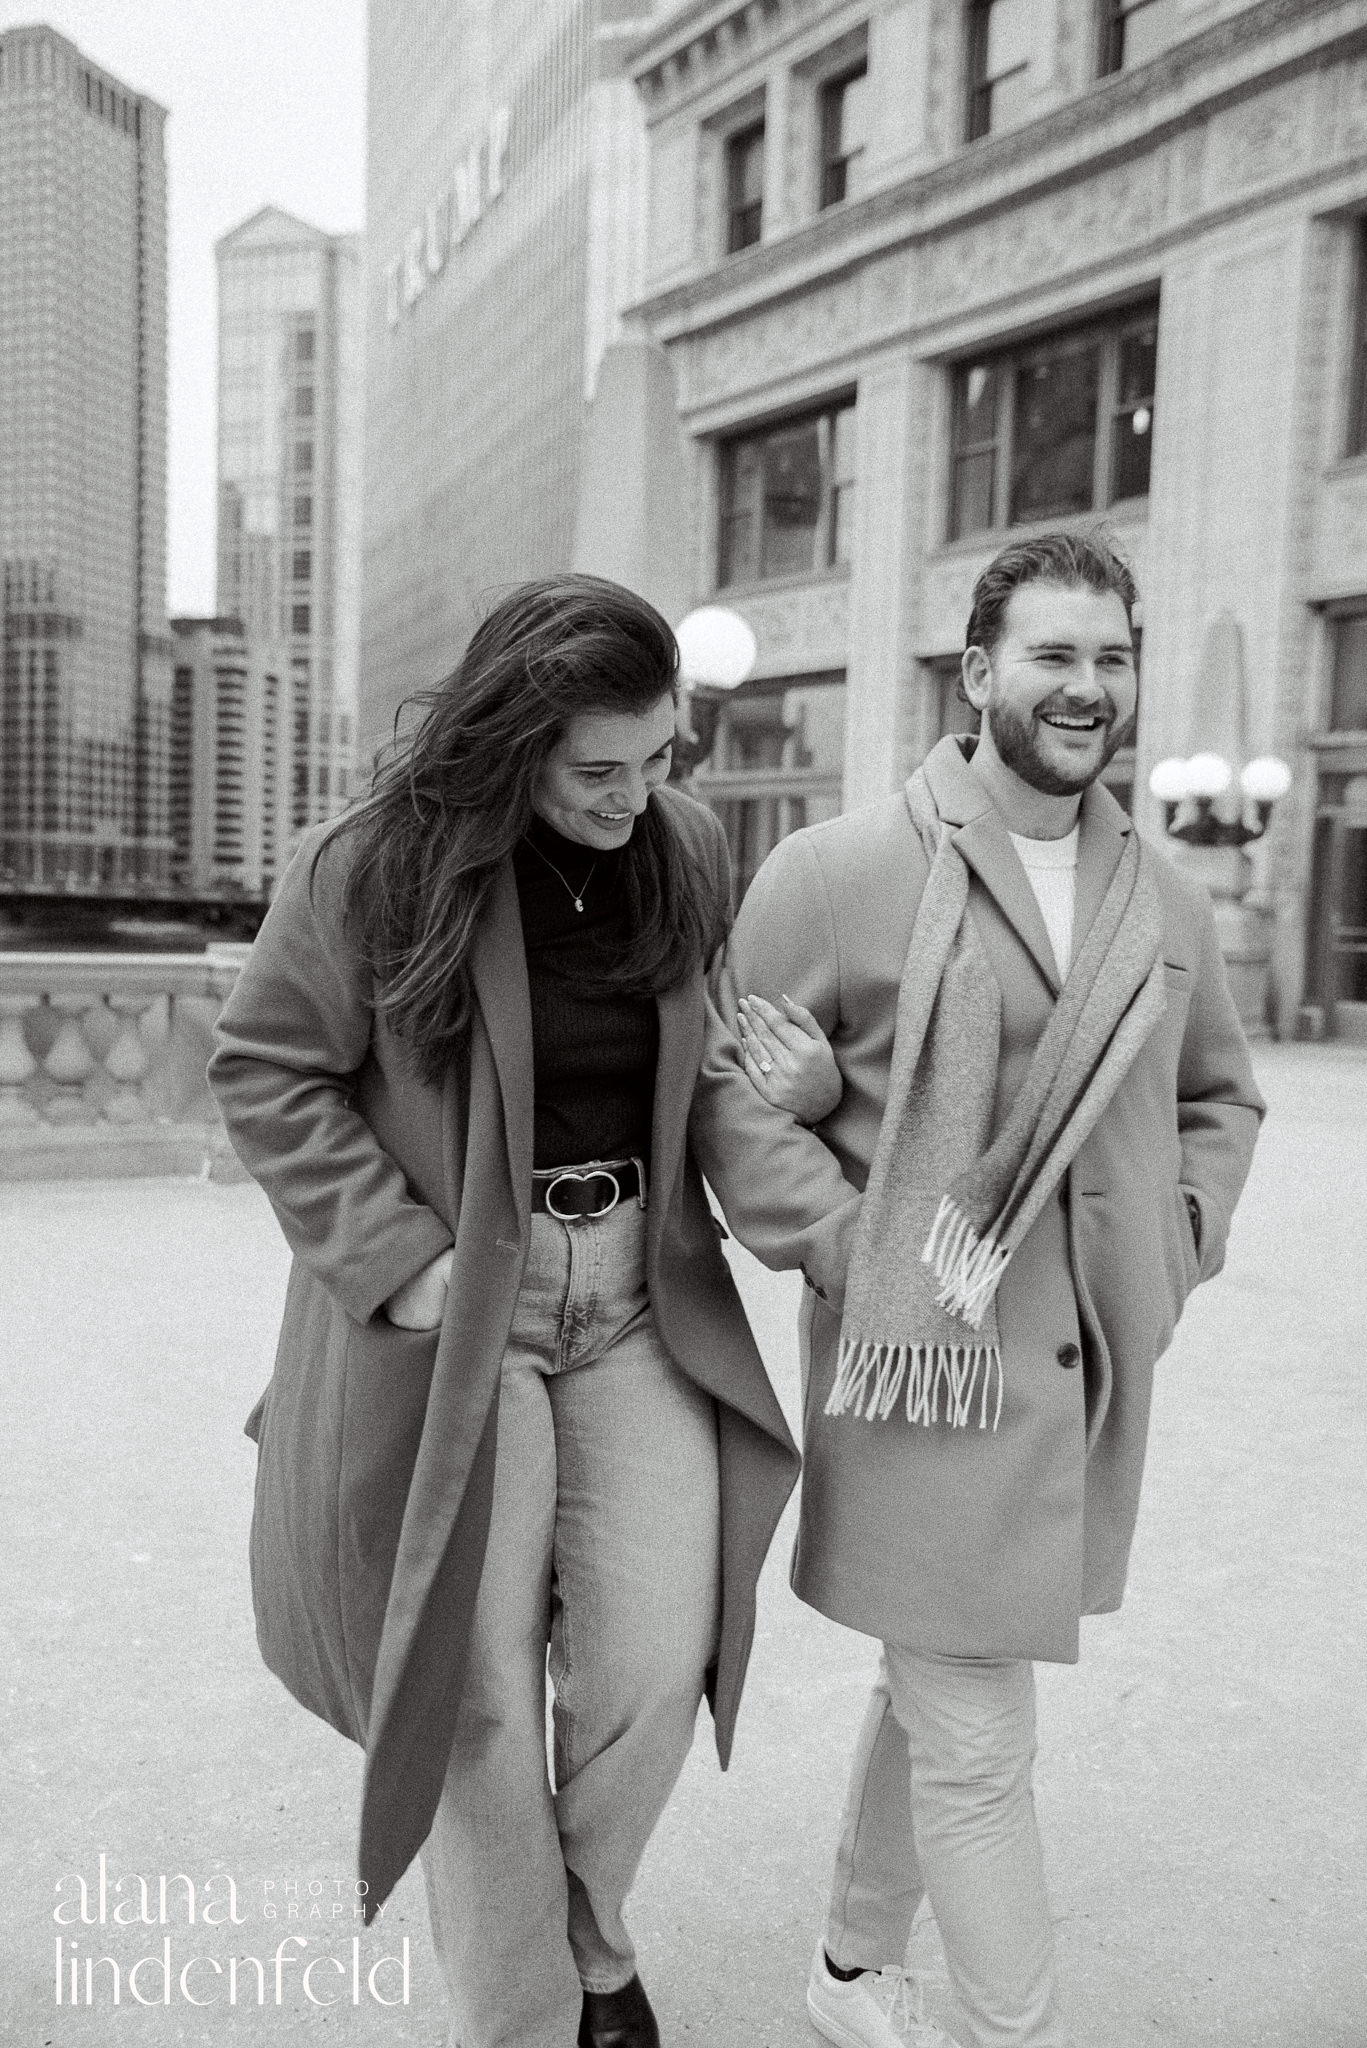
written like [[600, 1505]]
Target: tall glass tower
[[86, 683], [290, 336]]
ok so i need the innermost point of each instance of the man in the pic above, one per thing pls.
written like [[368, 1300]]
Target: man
[[1046, 1117]]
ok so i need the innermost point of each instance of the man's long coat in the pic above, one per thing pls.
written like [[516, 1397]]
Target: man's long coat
[[377, 1444], [965, 1541]]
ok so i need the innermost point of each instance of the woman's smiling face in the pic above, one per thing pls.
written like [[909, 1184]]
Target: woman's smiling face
[[598, 777]]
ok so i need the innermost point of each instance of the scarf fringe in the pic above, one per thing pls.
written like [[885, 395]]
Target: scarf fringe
[[870, 1378], [968, 1267]]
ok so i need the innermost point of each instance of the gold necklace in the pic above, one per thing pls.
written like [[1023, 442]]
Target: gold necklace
[[576, 899]]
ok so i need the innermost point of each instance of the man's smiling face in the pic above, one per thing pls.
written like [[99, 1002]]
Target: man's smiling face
[[1058, 691]]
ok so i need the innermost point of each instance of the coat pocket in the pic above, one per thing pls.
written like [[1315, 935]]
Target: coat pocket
[[1186, 1231], [388, 1379]]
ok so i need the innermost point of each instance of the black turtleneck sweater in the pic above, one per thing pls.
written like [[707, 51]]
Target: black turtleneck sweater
[[593, 1053]]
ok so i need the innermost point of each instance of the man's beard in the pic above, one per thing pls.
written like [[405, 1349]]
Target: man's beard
[[1014, 737]]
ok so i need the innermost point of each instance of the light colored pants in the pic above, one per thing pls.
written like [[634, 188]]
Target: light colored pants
[[940, 1806], [604, 1546]]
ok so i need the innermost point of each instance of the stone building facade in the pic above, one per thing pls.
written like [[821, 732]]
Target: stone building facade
[[937, 273]]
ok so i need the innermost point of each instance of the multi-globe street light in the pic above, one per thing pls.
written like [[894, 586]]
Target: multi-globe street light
[[1191, 791]]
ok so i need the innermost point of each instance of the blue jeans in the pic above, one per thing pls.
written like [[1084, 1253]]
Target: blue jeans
[[604, 1548], [940, 1803]]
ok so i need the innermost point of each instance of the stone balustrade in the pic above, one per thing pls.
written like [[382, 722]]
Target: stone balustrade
[[102, 1059]]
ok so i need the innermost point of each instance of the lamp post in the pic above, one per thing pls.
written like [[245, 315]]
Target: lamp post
[[1213, 829], [717, 651]]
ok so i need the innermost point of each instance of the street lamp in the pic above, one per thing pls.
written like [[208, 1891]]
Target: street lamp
[[717, 651], [1190, 789]]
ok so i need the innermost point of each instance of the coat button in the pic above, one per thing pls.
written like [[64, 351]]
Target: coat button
[[1069, 1356]]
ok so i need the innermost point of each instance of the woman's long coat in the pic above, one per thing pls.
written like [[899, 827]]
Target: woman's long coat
[[377, 1444], [972, 1542]]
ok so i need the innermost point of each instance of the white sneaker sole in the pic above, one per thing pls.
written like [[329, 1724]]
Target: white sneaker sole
[[831, 2029]]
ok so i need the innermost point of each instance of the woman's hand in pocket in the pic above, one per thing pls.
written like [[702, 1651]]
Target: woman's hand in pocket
[[788, 1057], [421, 1302]]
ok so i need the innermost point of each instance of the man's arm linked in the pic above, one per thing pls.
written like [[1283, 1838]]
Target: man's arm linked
[[781, 1189]]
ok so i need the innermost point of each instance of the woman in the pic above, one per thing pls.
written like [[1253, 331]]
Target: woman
[[516, 1403]]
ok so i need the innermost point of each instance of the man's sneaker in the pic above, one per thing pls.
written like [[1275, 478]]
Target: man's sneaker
[[877, 2009]]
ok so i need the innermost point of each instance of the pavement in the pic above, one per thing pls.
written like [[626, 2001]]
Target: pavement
[[1202, 1780]]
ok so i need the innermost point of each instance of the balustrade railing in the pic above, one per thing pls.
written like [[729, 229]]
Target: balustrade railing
[[102, 1059]]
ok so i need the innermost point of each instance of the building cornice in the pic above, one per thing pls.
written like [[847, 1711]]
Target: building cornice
[[696, 48], [1119, 116], [703, 36], [671, 68], [41, 32]]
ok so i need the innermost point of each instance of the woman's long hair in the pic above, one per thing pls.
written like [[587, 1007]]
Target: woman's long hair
[[450, 801]]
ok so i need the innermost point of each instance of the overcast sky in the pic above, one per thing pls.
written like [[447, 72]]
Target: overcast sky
[[267, 105]]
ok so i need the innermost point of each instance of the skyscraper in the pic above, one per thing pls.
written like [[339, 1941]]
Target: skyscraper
[[84, 700], [230, 760], [290, 336]]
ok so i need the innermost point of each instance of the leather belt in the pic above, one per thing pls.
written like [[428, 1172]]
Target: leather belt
[[581, 1194]]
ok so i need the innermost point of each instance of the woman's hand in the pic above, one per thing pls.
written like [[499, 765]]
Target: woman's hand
[[421, 1302], [788, 1057]]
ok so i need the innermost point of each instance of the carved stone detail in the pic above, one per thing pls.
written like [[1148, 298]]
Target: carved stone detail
[[1267, 138], [1115, 211], [773, 342], [799, 629]]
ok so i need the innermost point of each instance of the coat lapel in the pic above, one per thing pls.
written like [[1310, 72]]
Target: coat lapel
[[498, 973], [980, 835], [1101, 842]]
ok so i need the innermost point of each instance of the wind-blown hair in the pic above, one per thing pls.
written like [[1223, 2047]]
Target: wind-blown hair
[[1077, 561], [451, 799]]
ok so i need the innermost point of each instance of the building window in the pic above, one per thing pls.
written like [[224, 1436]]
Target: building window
[[1348, 694], [303, 565], [1001, 35], [1060, 426], [775, 763], [303, 513], [299, 618], [1133, 31], [303, 402], [844, 117], [303, 345], [303, 458], [787, 498], [744, 187]]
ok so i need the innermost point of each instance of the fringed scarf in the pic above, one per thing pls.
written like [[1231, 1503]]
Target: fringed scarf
[[923, 1329]]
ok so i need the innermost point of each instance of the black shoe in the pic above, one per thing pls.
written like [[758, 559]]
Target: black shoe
[[618, 2019]]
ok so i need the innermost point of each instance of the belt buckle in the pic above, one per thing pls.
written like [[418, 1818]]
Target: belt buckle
[[588, 1215]]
